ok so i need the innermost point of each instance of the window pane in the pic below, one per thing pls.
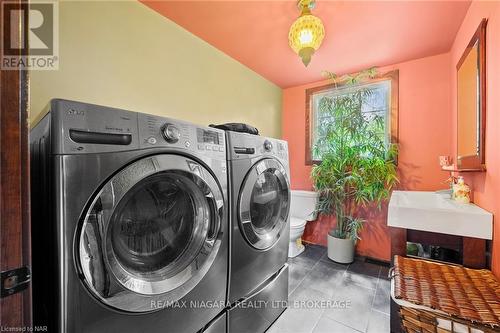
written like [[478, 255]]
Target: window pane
[[375, 106]]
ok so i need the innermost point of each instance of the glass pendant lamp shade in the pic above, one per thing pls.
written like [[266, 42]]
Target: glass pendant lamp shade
[[306, 33]]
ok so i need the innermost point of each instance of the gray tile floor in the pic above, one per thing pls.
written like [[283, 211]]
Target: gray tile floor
[[326, 297]]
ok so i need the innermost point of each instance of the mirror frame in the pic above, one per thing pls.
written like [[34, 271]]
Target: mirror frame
[[476, 162]]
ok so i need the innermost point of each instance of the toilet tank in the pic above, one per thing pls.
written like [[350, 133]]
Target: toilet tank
[[303, 204]]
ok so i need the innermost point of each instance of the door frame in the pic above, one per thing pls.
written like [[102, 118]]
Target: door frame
[[15, 238]]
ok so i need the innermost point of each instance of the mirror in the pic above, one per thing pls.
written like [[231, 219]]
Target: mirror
[[471, 103]]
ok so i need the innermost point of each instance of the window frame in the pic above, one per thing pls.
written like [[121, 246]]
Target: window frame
[[392, 76]]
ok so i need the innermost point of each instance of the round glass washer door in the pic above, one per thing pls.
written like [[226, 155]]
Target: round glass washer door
[[151, 233], [264, 204]]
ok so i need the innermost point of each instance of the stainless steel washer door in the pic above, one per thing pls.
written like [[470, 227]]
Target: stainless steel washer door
[[151, 233], [264, 204]]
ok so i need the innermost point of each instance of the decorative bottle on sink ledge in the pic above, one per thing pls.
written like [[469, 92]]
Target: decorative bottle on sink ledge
[[461, 191]]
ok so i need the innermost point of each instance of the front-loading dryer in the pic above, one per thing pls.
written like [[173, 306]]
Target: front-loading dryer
[[260, 230], [129, 221]]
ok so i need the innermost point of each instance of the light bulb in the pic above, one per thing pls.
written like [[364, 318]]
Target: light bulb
[[306, 36]]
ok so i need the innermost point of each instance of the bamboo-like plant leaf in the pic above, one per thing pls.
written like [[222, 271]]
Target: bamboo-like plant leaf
[[358, 167]]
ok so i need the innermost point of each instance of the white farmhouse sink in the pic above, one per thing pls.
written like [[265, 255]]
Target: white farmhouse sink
[[433, 212]]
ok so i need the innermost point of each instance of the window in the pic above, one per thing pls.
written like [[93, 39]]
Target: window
[[382, 102]]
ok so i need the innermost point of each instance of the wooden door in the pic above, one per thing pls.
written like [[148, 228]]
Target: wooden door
[[15, 309]]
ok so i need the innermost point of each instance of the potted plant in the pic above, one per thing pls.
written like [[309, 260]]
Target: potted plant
[[357, 168]]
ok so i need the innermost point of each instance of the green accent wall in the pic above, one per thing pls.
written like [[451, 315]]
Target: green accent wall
[[125, 55]]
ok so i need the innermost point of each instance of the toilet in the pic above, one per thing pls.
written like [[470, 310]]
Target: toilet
[[302, 208]]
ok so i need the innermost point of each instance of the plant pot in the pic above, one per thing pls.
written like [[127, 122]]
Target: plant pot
[[340, 250]]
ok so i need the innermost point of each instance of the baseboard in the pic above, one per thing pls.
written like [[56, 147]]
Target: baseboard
[[375, 261], [367, 259]]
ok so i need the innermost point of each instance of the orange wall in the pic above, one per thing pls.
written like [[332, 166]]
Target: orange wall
[[485, 185], [425, 132]]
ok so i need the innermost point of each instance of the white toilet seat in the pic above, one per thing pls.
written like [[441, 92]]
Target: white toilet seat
[[296, 223], [302, 210], [297, 227]]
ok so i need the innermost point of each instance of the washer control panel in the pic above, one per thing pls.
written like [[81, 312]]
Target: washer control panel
[[210, 139], [82, 128], [156, 131], [171, 133]]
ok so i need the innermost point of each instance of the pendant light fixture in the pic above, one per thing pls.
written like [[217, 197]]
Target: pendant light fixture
[[307, 32]]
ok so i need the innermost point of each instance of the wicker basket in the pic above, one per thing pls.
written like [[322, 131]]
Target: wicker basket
[[441, 298]]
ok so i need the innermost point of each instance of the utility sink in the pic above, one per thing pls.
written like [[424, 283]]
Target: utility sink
[[436, 212]]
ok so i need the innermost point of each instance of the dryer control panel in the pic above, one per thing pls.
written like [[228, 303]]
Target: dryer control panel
[[242, 145]]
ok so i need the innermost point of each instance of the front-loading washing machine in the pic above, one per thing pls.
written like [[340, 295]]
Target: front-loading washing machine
[[129, 221], [260, 231]]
